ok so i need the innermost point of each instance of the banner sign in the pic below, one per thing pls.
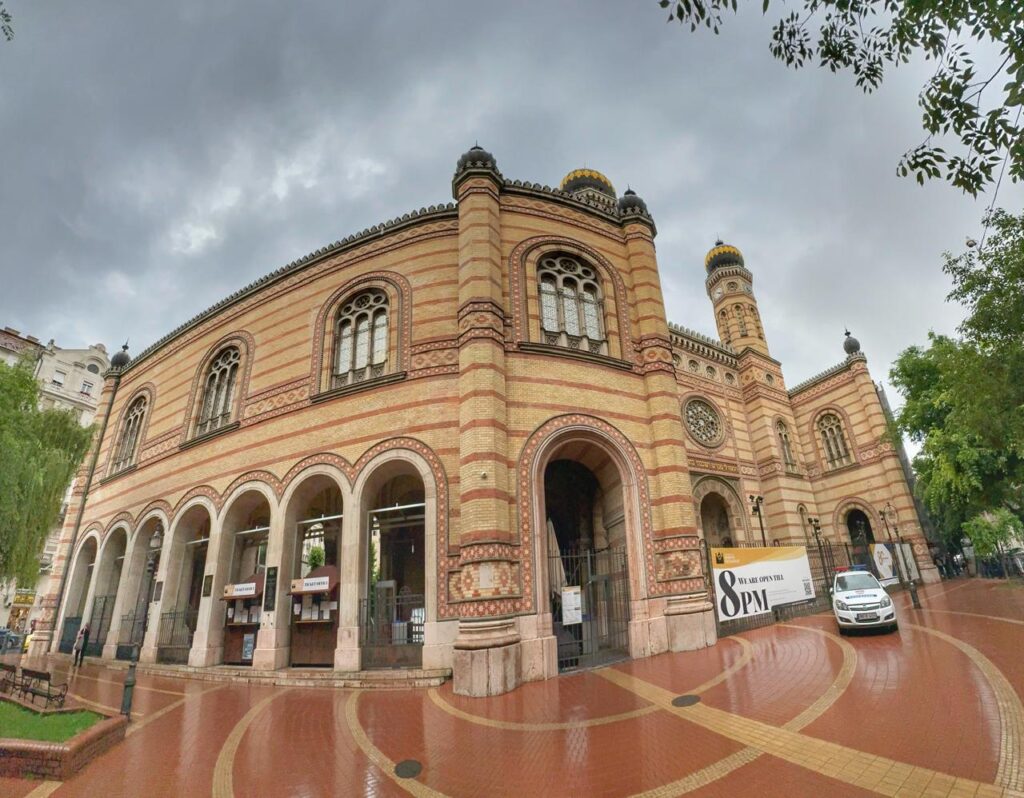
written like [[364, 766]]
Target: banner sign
[[572, 606], [884, 563], [753, 581], [316, 584]]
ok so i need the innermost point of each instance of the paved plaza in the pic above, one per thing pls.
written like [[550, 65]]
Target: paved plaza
[[793, 709]]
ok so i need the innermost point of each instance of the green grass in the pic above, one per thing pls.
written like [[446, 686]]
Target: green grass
[[24, 724]]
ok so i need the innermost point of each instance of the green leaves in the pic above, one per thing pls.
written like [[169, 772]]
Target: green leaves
[[979, 114], [40, 450], [991, 532]]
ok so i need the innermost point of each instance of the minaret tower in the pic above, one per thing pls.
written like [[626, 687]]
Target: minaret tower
[[730, 287]]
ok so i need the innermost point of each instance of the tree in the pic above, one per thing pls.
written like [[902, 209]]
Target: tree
[[964, 398], [865, 37], [6, 23], [40, 450], [991, 532]]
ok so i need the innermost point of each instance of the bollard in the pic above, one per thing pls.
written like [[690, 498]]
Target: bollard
[[913, 595], [129, 685]]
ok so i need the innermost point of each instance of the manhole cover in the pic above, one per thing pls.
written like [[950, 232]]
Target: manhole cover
[[685, 700], [408, 769]]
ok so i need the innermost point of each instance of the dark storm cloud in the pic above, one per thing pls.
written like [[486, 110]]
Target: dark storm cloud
[[158, 157]]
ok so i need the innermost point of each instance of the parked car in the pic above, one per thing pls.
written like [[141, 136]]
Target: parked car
[[860, 602]]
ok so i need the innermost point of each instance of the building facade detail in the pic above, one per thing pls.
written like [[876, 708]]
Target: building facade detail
[[462, 406]]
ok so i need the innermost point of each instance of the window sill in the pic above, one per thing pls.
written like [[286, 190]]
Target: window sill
[[576, 354], [830, 469], [121, 473], [356, 387], [200, 439]]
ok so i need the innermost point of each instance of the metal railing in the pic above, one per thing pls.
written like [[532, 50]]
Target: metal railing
[[176, 632], [391, 630], [133, 629]]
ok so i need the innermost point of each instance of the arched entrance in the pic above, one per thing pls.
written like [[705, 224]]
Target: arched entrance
[[310, 565], [585, 540], [858, 524], [78, 590], [715, 521], [143, 562], [240, 573], [393, 605], [108, 578], [183, 591]]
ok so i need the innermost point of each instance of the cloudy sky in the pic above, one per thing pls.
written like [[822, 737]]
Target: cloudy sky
[[158, 156]]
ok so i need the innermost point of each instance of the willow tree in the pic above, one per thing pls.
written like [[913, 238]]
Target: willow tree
[[40, 451]]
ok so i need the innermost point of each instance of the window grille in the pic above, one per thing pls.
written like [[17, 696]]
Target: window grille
[[219, 391], [361, 338], [124, 454], [571, 304]]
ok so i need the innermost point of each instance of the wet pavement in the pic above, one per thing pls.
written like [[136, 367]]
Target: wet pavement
[[789, 710]]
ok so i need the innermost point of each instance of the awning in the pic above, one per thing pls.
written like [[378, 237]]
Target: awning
[[246, 589], [320, 580]]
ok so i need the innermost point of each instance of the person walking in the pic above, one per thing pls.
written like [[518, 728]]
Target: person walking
[[80, 644]]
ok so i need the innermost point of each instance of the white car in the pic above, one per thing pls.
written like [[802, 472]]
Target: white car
[[860, 602]]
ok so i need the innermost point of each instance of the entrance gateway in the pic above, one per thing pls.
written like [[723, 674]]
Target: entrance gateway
[[588, 582]]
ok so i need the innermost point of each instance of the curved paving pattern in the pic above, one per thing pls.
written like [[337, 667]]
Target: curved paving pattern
[[793, 709]]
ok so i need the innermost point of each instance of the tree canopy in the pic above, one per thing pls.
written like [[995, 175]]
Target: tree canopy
[[40, 450], [981, 113], [6, 23], [989, 532], [964, 397]]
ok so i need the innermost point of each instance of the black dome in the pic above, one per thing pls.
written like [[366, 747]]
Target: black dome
[[631, 202], [122, 358], [851, 345], [476, 155]]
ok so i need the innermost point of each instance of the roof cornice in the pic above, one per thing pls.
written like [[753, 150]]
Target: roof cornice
[[839, 368]]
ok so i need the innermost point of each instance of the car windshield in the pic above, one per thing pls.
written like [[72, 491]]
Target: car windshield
[[856, 582]]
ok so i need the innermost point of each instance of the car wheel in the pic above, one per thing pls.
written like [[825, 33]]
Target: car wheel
[[842, 631]]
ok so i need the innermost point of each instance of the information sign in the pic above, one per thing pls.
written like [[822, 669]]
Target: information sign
[[753, 581]]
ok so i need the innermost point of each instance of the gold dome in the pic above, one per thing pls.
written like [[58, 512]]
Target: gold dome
[[581, 179], [722, 255]]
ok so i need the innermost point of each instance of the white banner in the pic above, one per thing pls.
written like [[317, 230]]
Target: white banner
[[753, 581]]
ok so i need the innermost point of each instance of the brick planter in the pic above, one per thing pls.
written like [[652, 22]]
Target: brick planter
[[31, 758]]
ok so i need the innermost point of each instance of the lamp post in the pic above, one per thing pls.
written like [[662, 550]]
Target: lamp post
[[886, 513], [891, 512], [756, 503], [827, 566]]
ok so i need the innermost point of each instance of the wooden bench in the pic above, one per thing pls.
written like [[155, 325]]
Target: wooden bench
[[9, 681], [37, 683]]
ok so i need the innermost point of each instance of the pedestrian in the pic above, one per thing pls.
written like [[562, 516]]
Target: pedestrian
[[80, 644]]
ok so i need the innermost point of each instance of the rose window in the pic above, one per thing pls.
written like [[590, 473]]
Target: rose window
[[703, 422]]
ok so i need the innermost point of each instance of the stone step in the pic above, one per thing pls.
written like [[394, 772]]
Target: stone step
[[294, 677]]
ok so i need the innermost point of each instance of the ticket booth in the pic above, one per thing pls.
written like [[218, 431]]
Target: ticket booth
[[243, 607], [314, 617]]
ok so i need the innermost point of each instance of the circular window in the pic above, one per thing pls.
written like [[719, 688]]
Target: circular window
[[732, 286], [693, 365], [703, 422], [730, 378], [769, 379], [710, 371], [92, 368], [677, 361]]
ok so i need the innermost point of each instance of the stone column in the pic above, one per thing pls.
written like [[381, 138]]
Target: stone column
[[207, 643], [486, 657], [347, 654], [273, 642], [678, 567]]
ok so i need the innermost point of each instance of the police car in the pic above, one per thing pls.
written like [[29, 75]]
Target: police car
[[860, 602]]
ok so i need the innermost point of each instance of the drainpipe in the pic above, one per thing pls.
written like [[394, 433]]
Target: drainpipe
[[115, 373]]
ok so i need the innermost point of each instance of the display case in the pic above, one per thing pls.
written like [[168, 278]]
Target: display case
[[314, 617], [242, 613]]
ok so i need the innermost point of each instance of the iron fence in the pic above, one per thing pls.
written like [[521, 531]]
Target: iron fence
[[133, 629], [589, 593], [68, 633], [99, 624], [391, 630], [176, 632]]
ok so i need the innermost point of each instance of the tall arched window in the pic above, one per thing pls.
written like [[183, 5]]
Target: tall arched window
[[738, 310], [361, 338], [724, 326], [219, 391], [833, 440], [787, 450], [128, 443], [571, 304]]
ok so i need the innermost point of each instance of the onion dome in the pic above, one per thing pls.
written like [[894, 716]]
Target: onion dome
[[851, 345], [579, 181], [631, 203], [476, 156], [721, 255], [122, 358]]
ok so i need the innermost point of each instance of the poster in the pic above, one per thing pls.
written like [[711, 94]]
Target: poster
[[753, 581], [572, 605], [248, 645], [884, 563]]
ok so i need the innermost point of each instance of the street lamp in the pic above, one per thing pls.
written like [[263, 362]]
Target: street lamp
[[756, 503], [890, 514]]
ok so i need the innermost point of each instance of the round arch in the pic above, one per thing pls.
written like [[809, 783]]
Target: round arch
[[708, 485], [842, 511]]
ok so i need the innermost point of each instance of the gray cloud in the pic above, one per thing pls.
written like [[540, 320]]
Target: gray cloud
[[159, 157]]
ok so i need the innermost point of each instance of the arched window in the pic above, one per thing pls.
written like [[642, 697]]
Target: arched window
[[219, 391], [361, 338], [571, 304], [787, 451], [128, 443], [724, 326], [738, 310], [833, 440]]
